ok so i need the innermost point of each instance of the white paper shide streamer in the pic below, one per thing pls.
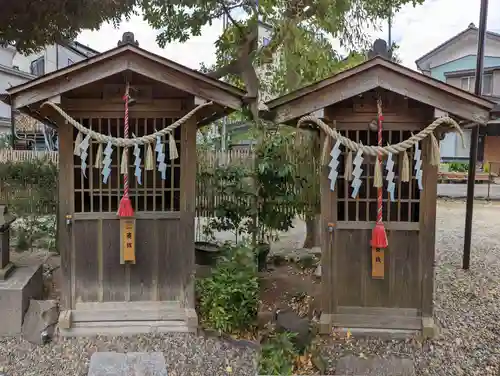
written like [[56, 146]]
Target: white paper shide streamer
[[356, 173], [84, 146], [418, 166], [162, 166], [137, 164], [334, 164], [390, 176], [106, 162]]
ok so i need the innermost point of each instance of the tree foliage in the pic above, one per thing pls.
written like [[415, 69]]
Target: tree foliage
[[31, 24]]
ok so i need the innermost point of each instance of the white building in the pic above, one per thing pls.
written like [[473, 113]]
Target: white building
[[16, 68]]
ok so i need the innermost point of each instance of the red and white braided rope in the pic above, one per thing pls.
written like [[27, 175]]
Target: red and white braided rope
[[379, 157], [125, 135]]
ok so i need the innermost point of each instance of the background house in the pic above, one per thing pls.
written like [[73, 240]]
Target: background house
[[16, 68], [10, 75], [454, 62]]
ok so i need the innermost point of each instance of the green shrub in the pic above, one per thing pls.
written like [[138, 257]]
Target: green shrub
[[459, 167], [277, 355], [229, 298]]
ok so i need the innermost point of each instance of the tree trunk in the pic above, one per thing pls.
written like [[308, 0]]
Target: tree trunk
[[313, 238]]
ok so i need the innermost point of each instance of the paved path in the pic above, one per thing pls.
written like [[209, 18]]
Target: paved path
[[393, 366], [460, 191], [127, 364]]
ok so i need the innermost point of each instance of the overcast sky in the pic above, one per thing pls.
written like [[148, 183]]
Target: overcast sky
[[417, 30]]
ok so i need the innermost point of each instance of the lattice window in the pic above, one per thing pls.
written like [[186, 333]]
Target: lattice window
[[155, 194], [405, 208]]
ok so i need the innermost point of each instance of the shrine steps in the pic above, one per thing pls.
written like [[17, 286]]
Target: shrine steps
[[126, 318]]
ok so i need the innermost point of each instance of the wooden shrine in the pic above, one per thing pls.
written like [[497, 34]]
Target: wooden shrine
[[133, 273], [371, 287]]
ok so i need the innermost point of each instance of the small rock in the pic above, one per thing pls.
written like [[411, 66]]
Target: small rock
[[317, 272], [40, 321], [289, 321], [264, 317]]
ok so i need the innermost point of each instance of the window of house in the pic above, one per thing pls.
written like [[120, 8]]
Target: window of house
[[468, 83], [464, 83], [37, 67], [487, 84]]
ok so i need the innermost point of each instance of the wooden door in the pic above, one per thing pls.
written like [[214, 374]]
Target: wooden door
[[96, 272], [350, 293]]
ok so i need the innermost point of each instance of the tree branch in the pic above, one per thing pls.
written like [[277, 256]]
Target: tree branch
[[227, 11]]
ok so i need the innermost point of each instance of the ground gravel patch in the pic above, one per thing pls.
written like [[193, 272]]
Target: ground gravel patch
[[185, 354], [467, 303]]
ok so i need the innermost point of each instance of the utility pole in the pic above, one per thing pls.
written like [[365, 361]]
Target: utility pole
[[483, 15], [223, 139], [389, 24]]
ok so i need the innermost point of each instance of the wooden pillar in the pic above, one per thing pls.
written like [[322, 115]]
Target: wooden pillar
[[6, 267]]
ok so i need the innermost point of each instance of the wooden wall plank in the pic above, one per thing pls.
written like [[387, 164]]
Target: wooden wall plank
[[376, 292], [404, 289], [349, 269], [113, 280], [170, 256], [142, 273], [86, 256]]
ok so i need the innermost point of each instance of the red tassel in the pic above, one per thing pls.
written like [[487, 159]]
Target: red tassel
[[125, 209], [379, 237]]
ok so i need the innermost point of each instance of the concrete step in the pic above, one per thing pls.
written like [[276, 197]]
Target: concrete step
[[127, 364], [126, 318]]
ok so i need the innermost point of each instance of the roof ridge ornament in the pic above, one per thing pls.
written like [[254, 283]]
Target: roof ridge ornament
[[379, 49], [128, 38]]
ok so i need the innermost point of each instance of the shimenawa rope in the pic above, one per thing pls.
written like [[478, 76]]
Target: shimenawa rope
[[384, 150], [126, 142]]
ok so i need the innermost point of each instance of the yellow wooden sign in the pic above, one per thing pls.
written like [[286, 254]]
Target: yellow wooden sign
[[378, 263], [127, 244]]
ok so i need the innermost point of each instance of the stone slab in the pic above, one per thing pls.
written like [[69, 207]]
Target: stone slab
[[40, 321], [127, 364], [25, 283], [355, 366]]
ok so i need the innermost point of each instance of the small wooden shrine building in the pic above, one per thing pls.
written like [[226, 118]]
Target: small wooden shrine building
[[136, 276], [367, 288]]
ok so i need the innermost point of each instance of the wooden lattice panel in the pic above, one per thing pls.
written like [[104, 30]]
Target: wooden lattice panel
[[154, 195], [27, 124], [405, 208]]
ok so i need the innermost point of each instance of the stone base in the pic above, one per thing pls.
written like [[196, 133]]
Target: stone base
[[126, 318], [23, 284], [428, 329], [7, 271]]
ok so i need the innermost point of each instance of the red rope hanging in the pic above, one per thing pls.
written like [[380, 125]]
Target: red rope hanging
[[125, 209], [379, 236]]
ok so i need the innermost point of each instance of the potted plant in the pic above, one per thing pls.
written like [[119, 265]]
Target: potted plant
[[232, 210]]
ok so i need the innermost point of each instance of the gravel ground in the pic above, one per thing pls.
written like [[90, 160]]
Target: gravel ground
[[184, 355], [467, 304], [467, 307]]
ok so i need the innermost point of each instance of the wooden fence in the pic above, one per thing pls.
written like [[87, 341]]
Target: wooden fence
[[7, 155], [206, 198]]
